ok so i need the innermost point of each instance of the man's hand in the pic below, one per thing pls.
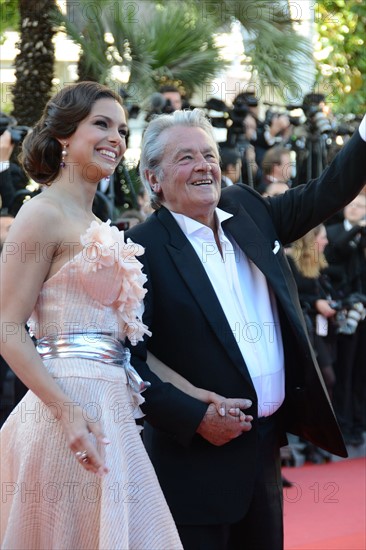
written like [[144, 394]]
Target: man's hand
[[219, 430], [323, 307], [279, 125]]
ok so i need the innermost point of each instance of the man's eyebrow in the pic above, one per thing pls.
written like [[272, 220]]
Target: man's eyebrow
[[185, 150]]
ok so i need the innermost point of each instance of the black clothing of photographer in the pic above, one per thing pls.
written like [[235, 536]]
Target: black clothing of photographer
[[317, 297], [241, 135], [346, 255], [274, 130], [322, 335], [250, 172], [7, 189], [12, 177]]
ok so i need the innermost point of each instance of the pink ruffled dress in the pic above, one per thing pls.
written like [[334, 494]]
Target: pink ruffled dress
[[49, 501]]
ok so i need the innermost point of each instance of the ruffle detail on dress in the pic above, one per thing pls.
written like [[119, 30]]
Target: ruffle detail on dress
[[105, 249], [136, 401]]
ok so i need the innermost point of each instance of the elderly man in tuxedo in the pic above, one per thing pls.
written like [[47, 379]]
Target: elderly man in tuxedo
[[224, 313]]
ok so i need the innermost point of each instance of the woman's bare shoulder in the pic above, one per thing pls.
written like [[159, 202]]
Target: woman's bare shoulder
[[39, 218]]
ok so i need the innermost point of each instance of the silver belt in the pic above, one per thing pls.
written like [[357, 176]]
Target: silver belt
[[99, 347]]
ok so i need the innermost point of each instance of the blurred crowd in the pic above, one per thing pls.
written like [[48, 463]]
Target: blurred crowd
[[286, 148]]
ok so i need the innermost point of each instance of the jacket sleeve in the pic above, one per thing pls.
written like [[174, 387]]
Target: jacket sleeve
[[166, 407], [300, 209]]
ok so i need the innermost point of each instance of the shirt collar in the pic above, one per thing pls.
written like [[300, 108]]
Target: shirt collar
[[347, 225], [190, 226], [227, 180]]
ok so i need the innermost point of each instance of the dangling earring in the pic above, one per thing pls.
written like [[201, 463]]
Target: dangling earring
[[63, 155]]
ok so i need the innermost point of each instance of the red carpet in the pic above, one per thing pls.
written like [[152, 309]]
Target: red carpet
[[326, 507]]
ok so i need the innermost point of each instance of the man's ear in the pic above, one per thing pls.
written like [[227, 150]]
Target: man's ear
[[153, 181]]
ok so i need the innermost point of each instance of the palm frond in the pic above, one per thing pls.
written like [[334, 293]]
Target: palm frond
[[90, 38], [274, 50], [181, 46]]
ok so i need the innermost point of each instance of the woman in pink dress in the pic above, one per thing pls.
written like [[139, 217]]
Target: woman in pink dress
[[74, 472]]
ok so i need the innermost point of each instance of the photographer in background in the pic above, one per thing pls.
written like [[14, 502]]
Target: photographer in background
[[7, 189], [167, 100], [276, 168], [307, 262], [246, 145], [173, 97], [276, 129], [230, 166], [241, 133], [12, 177], [346, 256]]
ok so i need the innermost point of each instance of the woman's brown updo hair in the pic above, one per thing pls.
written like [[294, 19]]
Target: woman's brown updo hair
[[41, 151]]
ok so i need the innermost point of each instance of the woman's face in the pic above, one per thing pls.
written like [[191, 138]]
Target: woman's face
[[97, 146], [321, 240]]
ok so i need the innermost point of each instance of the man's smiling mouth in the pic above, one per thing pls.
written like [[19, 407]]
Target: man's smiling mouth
[[201, 182]]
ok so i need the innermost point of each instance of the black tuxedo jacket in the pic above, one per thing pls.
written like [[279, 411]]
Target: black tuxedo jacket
[[204, 483]]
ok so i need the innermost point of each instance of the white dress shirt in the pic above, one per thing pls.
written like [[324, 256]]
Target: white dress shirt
[[248, 304]]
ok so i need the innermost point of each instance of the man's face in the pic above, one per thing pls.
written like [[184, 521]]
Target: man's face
[[189, 180], [282, 171], [175, 99], [233, 171], [250, 125], [355, 211]]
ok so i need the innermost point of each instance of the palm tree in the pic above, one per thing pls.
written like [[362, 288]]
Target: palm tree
[[275, 53], [164, 43], [34, 64], [169, 41]]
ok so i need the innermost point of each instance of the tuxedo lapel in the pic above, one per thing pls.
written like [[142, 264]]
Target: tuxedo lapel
[[191, 270]]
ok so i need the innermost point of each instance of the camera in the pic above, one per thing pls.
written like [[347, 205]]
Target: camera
[[215, 107], [350, 312], [17, 133], [231, 119], [318, 121], [157, 105], [336, 304]]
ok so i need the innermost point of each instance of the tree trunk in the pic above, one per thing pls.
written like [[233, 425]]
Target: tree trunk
[[34, 65]]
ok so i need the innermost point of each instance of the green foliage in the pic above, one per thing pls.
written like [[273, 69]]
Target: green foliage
[[9, 16], [341, 73], [130, 185], [180, 47], [275, 52], [171, 41], [157, 44]]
